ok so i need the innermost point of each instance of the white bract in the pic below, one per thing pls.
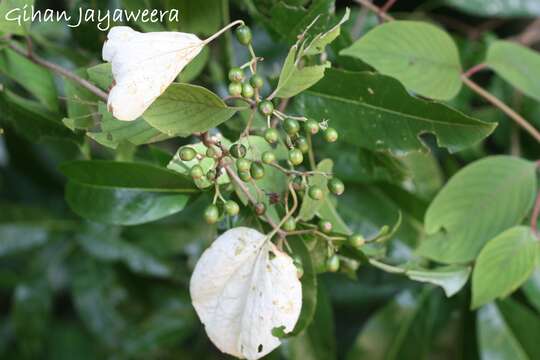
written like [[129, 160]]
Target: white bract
[[144, 65], [242, 288]]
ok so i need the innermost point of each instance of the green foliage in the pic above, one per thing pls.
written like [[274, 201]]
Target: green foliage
[[500, 8]]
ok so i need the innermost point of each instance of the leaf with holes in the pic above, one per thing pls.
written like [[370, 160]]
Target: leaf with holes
[[242, 288], [420, 55]]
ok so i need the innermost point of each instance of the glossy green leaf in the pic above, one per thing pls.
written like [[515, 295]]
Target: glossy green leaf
[[507, 330], [184, 109], [518, 65], [516, 251], [34, 78], [374, 111], [309, 206], [531, 288], [451, 278], [497, 192], [420, 55], [124, 193], [499, 8]]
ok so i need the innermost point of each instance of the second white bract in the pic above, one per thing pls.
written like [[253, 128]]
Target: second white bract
[[144, 65], [242, 288]]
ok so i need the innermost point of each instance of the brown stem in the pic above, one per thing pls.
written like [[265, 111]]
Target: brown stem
[[388, 5], [476, 68], [367, 4], [502, 106], [60, 71]]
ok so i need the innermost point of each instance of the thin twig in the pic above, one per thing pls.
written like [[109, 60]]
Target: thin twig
[[60, 71], [367, 4], [502, 106], [476, 68]]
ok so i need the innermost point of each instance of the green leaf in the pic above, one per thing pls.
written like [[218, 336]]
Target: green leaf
[[507, 330], [309, 286], [114, 132], [184, 109], [479, 202], [451, 278], [34, 78], [328, 211], [124, 193], [10, 24], [515, 251], [309, 206], [319, 42], [531, 288], [375, 112], [516, 64], [198, 17], [318, 341], [498, 8], [293, 78], [420, 55], [105, 244], [101, 75]]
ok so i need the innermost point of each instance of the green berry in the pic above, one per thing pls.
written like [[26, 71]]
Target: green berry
[[356, 240], [302, 144], [290, 224], [260, 208], [336, 186], [266, 107], [268, 157], [271, 135], [296, 157], [257, 81], [332, 263], [325, 226], [196, 172], [235, 89], [247, 91], [231, 208], [213, 152], [330, 135], [211, 175], [236, 75], [187, 153], [245, 176], [243, 34], [291, 126], [243, 164], [238, 151], [311, 127], [256, 171], [315, 192], [211, 214]]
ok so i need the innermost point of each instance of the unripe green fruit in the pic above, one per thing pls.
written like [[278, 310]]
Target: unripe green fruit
[[211, 214], [325, 226], [271, 135], [247, 91], [238, 151], [268, 157], [243, 164], [256, 81], [356, 240], [231, 208], [187, 153], [211, 175], [311, 127], [243, 34], [315, 192], [296, 157], [266, 107], [245, 176], [196, 172], [330, 135], [256, 171], [213, 152], [336, 186], [302, 144], [291, 126], [236, 75], [260, 209], [332, 263], [235, 89], [290, 224]]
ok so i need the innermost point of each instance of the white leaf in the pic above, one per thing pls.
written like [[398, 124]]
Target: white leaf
[[242, 288], [144, 65]]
